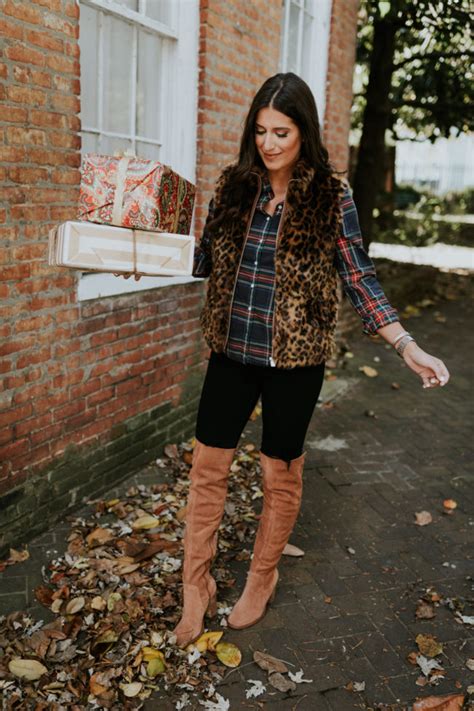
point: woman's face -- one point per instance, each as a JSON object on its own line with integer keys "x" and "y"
{"x": 278, "y": 139}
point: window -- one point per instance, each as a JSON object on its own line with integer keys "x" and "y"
{"x": 305, "y": 44}
{"x": 139, "y": 78}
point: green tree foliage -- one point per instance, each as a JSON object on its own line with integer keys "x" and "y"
{"x": 418, "y": 59}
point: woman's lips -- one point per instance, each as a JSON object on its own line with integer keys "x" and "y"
{"x": 271, "y": 156}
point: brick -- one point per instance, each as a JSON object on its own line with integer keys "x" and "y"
{"x": 40, "y": 78}
{"x": 45, "y": 40}
{"x": 14, "y": 154}
{"x": 15, "y": 414}
{"x": 26, "y": 95}
{"x": 10, "y": 29}
{"x": 68, "y": 104}
{"x": 25, "y": 12}
{"x": 21, "y": 53}
{"x": 48, "y": 119}
{"x": 72, "y": 408}
{"x": 38, "y": 356}
{"x": 27, "y": 136}
{"x": 25, "y": 175}
{"x": 33, "y": 424}
{"x": 63, "y": 64}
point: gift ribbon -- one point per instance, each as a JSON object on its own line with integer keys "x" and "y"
{"x": 120, "y": 189}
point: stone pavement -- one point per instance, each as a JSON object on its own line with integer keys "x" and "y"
{"x": 345, "y": 612}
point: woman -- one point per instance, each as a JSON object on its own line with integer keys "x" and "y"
{"x": 281, "y": 228}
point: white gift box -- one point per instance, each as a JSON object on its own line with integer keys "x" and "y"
{"x": 105, "y": 248}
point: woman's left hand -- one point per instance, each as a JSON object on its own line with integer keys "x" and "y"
{"x": 431, "y": 370}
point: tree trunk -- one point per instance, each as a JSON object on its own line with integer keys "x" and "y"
{"x": 369, "y": 174}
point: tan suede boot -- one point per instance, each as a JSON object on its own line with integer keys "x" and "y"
{"x": 282, "y": 490}
{"x": 205, "y": 507}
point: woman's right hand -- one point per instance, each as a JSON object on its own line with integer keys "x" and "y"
{"x": 127, "y": 275}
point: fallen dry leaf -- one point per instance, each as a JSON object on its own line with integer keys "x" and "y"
{"x": 280, "y": 682}
{"x": 256, "y": 412}
{"x": 18, "y": 556}
{"x": 228, "y": 654}
{"x": 28, "y": 669}
{"x": 207, "y": 641}
{"x": 368, "y": 370}
{"x": 428, "y": 645}
{"x": 293, "y": 551}
{"x": 145, "y": 522}
{"x": 449, "y": 505}
{"x": 155, "y": 666}
{"x": 75, "y": 605}
{"x": 99, "y": 536}
{"x": 171, "y": 451}
{"x": 131, "y": 690}
{"x": 269, "y": 663}
{"x": 422, "y": 518}
{"x": 424, "y": 611}
{"x": 451, "y": 702}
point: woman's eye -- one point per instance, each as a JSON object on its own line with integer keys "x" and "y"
{"x": 279, "y": 135}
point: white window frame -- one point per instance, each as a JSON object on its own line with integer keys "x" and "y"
{"x": 179, "y": 137}
{"x": 320, "y": 12}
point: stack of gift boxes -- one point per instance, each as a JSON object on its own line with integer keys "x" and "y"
{"x": 134, "y": 216}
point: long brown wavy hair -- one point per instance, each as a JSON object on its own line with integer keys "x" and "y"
{"x": 291, "y": 95}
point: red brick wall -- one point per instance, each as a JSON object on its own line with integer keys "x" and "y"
{"x": 72, "y": 372}
{"x": 342, "y": 48}
{"x": 39, "y": 159}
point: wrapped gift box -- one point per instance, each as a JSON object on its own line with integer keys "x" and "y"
{"x": 103, "y": 248}
{"x": 136, "y": 193}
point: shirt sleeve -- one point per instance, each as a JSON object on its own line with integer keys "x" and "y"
{"x": 202, "y": 252}
{"x": 357, "y": 271}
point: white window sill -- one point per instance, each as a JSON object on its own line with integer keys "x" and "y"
{"x": 96, "y": 286}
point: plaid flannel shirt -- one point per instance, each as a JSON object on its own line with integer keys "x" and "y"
{"x": 250, "y": 334}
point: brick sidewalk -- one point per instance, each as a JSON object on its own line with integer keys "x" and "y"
{"x": 366, "y": 476}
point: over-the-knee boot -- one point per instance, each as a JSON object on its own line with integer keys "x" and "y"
{"x": 205, "y": 507}
{"x": 282, "y": 490}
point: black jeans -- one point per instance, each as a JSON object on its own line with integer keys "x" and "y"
{"x": 231, "y": 391}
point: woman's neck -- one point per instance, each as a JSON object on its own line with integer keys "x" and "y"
{"x": 279, "y": 180}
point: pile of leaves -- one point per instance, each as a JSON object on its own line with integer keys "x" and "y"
{"x": 115, "y": 597}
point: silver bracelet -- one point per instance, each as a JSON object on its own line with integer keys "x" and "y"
{"x": 400, "y": 335}
{"x": 403, "y": 344}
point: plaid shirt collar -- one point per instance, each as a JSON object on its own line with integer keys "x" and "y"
{"x": 266, "y": 193}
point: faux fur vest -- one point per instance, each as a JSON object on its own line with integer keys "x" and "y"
{"x": 306, "y": 302}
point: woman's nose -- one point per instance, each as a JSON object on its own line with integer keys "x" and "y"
{"x": 268, "y": 141}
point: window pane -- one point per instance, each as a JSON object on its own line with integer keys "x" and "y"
{"x": 160, "y": 10}
{"x": 131, "y": 4}
{"x": 307, "y": 70}
{"x": 89, "y": 45}
{"x": 89, "y": 143}
{"x": 109, "y": 145}
{"x": 149, "y": 85}
{"x": 118, "y": 43}
{"x": 292, "y": 65}
{"x": 148, "y": 150}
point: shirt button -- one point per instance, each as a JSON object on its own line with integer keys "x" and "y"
{"x": 252, "y": 285}
{"x": 250, "y": 308}
{"x": 268, "y": 217}
{"x": 255, "y": 262}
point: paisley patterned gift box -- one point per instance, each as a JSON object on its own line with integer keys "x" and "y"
{"x": 133, "y": 192}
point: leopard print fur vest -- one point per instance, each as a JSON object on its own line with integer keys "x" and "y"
{"x": 306, "y": 300}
